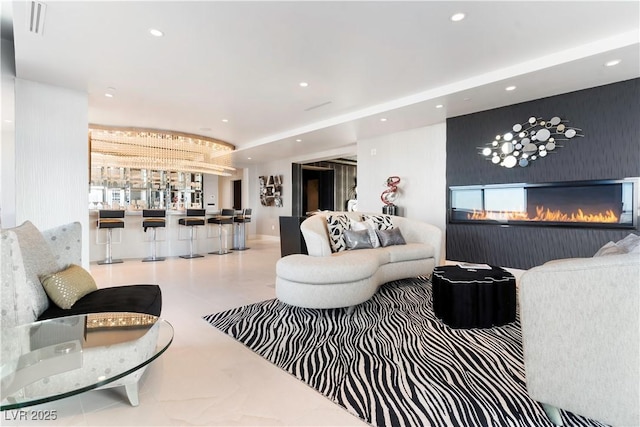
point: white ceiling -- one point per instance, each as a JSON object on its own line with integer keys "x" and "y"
{"x": 243, "y": 61}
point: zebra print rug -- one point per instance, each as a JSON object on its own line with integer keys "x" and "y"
{"x": 393, "y": 363}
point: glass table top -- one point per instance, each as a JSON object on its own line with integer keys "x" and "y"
{"x": 52, "y": 359}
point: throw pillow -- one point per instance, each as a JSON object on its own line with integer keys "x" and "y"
{"x": 68, "y": 286}
{"x": 390, "y": 237}
{"x": 381, "y": 222}
{"x": 609, "y": 249}
{"x": 371, "y": 229}
{"x": 630, "y": 244}
{"x": 336, "y": 225}
{"x": 38, "y": 260}
{"x": 357, "y": 239}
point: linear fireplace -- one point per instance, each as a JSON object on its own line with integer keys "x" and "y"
{"x": 592, "y": 204}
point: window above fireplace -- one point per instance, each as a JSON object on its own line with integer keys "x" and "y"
{"x": 593, "y": 204}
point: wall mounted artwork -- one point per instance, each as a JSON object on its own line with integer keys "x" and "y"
{"x": 529, "y": 141}
{"x": 271, "y": 190}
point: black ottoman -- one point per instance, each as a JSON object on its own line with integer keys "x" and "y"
{"x": 465, "y": 298}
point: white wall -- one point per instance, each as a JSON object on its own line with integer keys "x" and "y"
{"x": 7, "y": 146}
{"x": 210, "y": 191}
{"x": 51, "y": 157}
{"x": 418, "y": 157}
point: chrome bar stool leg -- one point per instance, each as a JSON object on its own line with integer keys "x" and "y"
{"x": 222, "y": 249}
{"x": 153, "y": 256}
{"x": 109, "y": 258}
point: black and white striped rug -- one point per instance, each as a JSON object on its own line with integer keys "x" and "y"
{"x": 393, "y": 363}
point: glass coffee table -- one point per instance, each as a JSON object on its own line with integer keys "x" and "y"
{"x": 57, "y": 358}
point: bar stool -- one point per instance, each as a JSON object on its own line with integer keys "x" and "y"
{"x": 110, "y": 219}
{"x": 194, "y": 218}
{"x": 225, "y": 218}
{"x": 153, "y": 219}
{"x": 240, "y": 238}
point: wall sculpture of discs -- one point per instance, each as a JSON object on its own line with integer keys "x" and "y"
{"x": 528, "y": 141}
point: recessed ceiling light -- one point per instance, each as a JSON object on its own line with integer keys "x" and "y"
{"x": 456, "y": 17}
{"x": 303, "y": 84}
{"x": 510, "y": 88}
{"x": 298, "y": 140}
{"x": 612, "y": 63}
{"x": 156, "y": 33}
{"x": 383, "y": 119}
{"x": 225, "y": 120}
{"x": 439, "y": 106}
{"x": 248, "y": 158}
{"x": 108, "y": 95}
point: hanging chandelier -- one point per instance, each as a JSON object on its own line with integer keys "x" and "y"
{"x": 161, "y": 150}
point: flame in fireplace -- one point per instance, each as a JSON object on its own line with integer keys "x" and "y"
{"x": 543, "y": 214}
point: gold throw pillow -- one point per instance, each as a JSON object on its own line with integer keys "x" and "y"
{"x": 68, "y": 286}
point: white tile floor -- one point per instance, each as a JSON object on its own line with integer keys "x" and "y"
{"x": 205, "y": 378}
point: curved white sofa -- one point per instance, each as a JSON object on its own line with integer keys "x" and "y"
{"x": 324, "y": 279}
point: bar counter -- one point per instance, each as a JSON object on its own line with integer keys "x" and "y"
{"x": 132, "y": 242}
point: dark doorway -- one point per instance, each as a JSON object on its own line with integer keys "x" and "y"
{"x": 237, "y": 194}
{"x": 318, "y": 190}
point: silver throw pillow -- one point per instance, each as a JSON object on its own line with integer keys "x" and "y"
{"x": 357, "y": 239}
{"x": 390, "y": 237}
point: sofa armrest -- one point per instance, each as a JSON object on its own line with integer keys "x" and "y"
{"x": 314, "y": 231}
{"x": 580, "y": 332}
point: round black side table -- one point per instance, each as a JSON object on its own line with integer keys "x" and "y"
{"x": 474, "y": 298}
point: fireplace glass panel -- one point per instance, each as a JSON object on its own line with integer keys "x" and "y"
{"x": 583, "y": 204}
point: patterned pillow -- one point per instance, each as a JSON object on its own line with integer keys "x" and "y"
{"x": 382, "y": 222}
{"x": 68, "y": 286}
{"x": 336, "y": 225}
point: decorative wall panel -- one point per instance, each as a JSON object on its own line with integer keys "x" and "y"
{"x": 610, "y": 149}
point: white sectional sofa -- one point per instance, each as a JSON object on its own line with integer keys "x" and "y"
{"x": 329, "y": 279}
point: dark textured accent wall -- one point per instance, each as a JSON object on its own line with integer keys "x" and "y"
{"x": 610, "y": 149}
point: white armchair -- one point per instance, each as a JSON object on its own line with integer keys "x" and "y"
{"x": 580, "y": 330}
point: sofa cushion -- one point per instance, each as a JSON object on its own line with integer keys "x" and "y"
{"x": 336, "y": 225}
{"x": 132, "y": 298}
{"x": 66, "y": 287}
{"x": 342, "y": 267}
{"x": 409, "y": 252}
{"x": 37, "y": 260}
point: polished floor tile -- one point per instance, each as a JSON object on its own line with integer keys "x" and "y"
{"x": 205, "y": 378}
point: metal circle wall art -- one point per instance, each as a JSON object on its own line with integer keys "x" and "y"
{"x": 528, "y": 141}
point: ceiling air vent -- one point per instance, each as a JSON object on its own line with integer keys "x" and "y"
{"x": 36, "y": 17}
